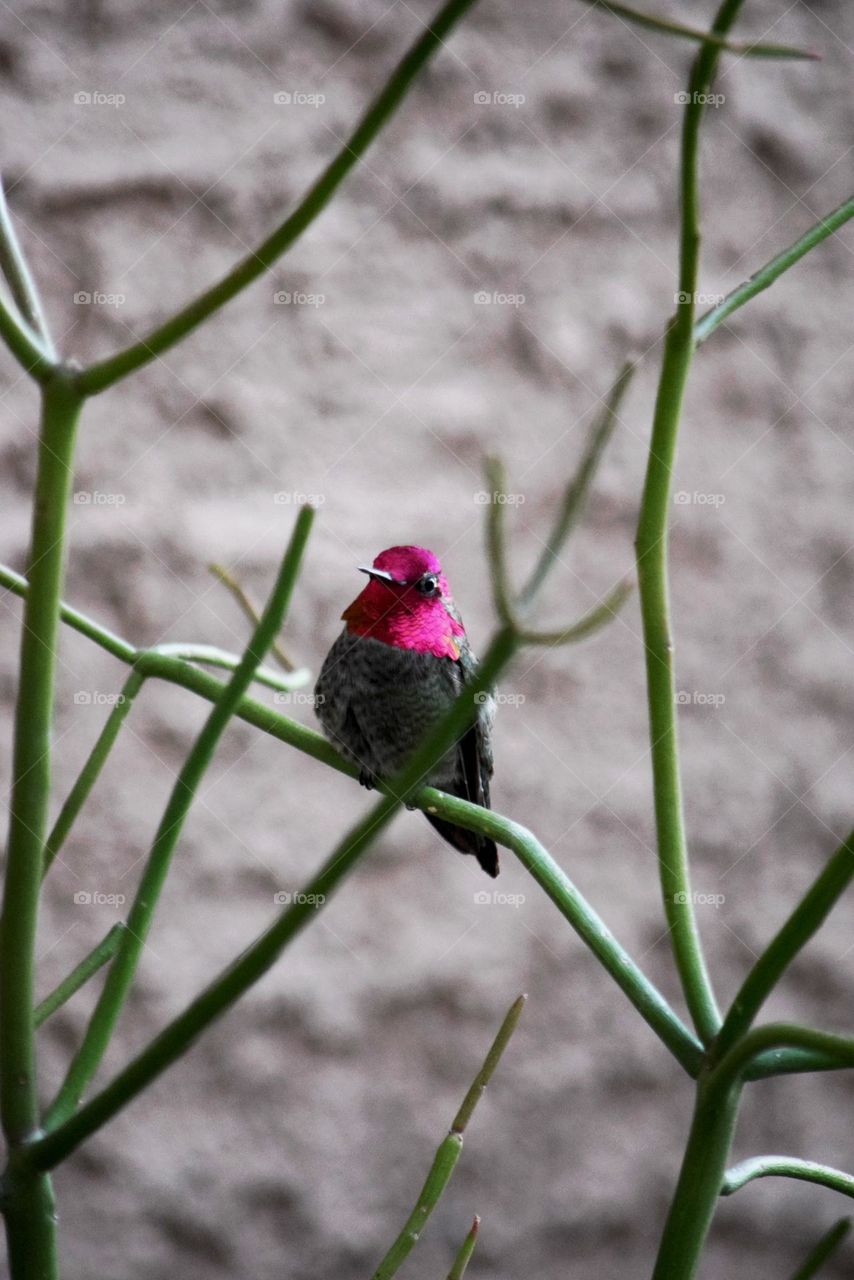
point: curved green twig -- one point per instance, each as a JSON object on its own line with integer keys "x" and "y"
{"x": 86, "y": 969}
{"x": 736, "y": 1063}
{"x": 88, "y": 775}
{"x": 786, "y": 1167}
{"x": 772, "y": 270}
{"x": 13, "y": 264}
{"x": 651, "y": 545}
{"x": 571, "y": 506}
{"x": 104, "y": 373}
{"x": 745, "y": 49}
{"x": 447, "y": 1156}
{"x": 802, "y": 924}
{"x": 239, "y": 594}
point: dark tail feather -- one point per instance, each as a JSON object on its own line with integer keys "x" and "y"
{"x": 468, "y": 842}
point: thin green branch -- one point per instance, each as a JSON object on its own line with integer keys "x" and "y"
{"x": 208, "y": 655}
{"x": 592, "y": 931}
{"x": 104, "y": 373}
{"x": 249, "y": 611}
{"x": 120, "y": 977}
{"x": 496, "y": 543}
{"x": 447, "y": 1155}
{"x": 80, "y": 975}
{"x": 748, "y": 49}
{"x": 736, "y": 1064}
{"x": 651, "y": 543}
{"x": 31, "y": 774}
{"x": 590, "y": 928}
{"x": 782, "y": 1062}
{"x": 596, "y": 618}
{"x": 772, "y": 271}
{"x": 806, "y": 919}
{"x": 490, "y": 1062}
{"x": 262, "y": 954}
{"x": 13, "y": 264}
{"x": 463, "y": 1258}
{"x": 786, "y": 1167}
{"x": 28, "y": 1205}
{"x": 826, "y": 1247}
{"x": 88, "y": 776}
{"x": 700, "y": 1177}
{"x": 79, "y": 622}
{"x": 572, "y": 504}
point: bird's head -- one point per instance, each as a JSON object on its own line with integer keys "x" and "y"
{"x": 407, "y": 603}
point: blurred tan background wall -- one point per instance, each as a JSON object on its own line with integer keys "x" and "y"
{"x": 145, "y": 150}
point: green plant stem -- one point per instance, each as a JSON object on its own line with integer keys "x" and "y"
{"x": 700, "y": 1179}
{"x": 444, "y": 1163}
{"x": 478, "y": 1086}
{"x": 652, "y": 561}
{"x": 592, "y": 931}
{"x": 826, "y": 1247}
{"x": 247, "y": 608}
{"x": 13, "y": 264}
{"x": 121, "y": 974}
{"x": 572, "y": 504}
{"x": 89, "y": 774}
{"x": 786, "y": 1167}
{"x": 30, "y": 1214}
{"x": 258, "y": 958}
{"x": 772, "y": 270}
{"x": 781, "y": 1062}
{"x": 704, "y": 1164}
{"x": 802, "y": 924}
{"x": 103, "y": 374}
{"x": 448, "y": 1154}
{"x": 651, "y": 22}
{"x": 25, "y": 346}
{"x": 80, "y": 975}
{"x": 30, "y": 1226}
{"x": 463, "y": 1258}
{"x": 511, "y": 835}
{"x": 737, "y": 1063}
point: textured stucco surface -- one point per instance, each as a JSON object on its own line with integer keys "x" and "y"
{"x": 293, "y": 1138}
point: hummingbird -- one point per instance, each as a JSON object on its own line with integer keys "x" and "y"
{"x": 401, "y": 661}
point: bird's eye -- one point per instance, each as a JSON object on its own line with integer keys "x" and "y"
{"x": 428, "y": 585}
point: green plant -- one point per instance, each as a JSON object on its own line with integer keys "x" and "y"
{"x": 721, "y": 1054}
